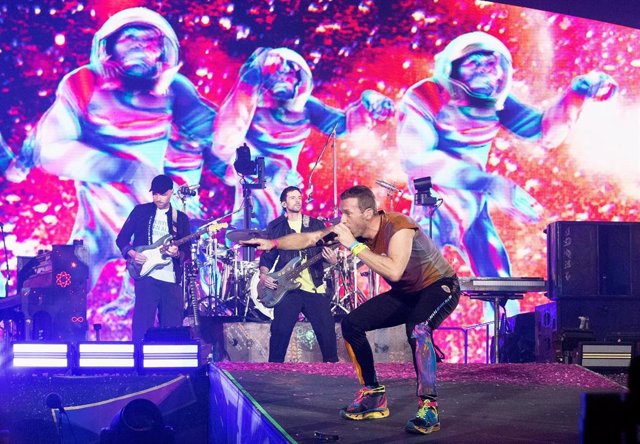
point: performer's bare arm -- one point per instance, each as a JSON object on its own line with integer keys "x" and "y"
{"x": 390, "y": 266}
{"x": 294, "y": 241}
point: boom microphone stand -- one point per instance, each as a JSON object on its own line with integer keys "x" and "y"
{"x": 335, "y": 173}
{"x": 331, "y": 138}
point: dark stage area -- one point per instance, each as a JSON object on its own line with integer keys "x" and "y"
{"x": 241, "y": 402}
{"x": 478, "y": 402}
{"x": 92, "y": 401}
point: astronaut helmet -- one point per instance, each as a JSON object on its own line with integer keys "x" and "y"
{"x": 136, "y": 45}
{"x": 477, "y": 69}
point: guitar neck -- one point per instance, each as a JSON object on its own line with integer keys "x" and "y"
{"x": 182, "y": 240}
{"x": 198, "y": 233}
{"x": 300, "y": 268}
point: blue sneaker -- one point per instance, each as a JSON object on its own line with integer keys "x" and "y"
{"x": 426, "y": 420}
{"x": 370, "y": 403}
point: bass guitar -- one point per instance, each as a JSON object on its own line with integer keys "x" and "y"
{"x": 156, "y": 252}
{"x": 285, "y": 279}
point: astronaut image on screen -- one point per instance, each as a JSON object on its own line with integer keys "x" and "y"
{"x": 271, "y": 108}
{"x": 118, "y": 122}
{"x": 446, "y": 127}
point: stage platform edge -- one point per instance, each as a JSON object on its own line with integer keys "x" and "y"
{"x": 235, "y": 416}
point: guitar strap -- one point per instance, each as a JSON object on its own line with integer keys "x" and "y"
{"x": 174, "y": 219}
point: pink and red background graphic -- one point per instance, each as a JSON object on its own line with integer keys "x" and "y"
{"x": 350, "y": 47}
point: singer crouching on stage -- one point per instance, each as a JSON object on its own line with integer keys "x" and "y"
{"x": 424, "y": 291}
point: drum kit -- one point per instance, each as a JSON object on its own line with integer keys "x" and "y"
{"x": 221, "y": 283}
{"x": 223, "y": 280}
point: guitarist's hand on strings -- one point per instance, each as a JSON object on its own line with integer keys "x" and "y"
{"x": 136, "y": 257}
{"x": 172, "y": 250}
{"x": 268, "y": 281}
{"x": 329, "y": 255}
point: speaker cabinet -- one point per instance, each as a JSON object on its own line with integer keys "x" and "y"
{"x": 558, "y": 323}
{"x": 57, "y": 314}
{"x": 593, "y": 260}
{"x": 55, "y": 302}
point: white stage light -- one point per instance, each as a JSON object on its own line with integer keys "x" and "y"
{"x": 170, "y": 356}
{"x": 106, "y": 355}
{"x": 40, "y": 355}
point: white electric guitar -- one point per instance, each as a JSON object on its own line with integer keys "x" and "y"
{"x": 156, "y": 253}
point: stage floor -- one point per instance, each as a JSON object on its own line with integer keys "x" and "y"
{"x": 478, "y": 402}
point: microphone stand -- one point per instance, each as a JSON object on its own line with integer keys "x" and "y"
{"x": 6, "y": 261}
{"x": 59, "y": 421}
{"x": 332, "y": 137}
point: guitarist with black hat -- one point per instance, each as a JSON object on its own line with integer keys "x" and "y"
{"x": 310, "y": 297}
{"x": 159, "y": 288}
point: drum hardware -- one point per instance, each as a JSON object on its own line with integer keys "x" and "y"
{"x": 221, "y": 274}
{"x": 373, "y": 280}
{"x": 347, "y": 295}
{"x": 252, "y": 297}
{"x": 245, "y": 235}
{"x": 390, "y": 190}
{"x": 213, "y": 273}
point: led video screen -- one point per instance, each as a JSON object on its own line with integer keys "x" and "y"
{"x": 517, "y": 117}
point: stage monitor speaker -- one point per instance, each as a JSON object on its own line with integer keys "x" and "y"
{"x": 593, "y": 260}
{"x": 606, "y": 355}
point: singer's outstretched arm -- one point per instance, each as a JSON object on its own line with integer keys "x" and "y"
{"x": 294, "y": 241}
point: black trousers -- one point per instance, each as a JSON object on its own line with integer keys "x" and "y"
{"x": 317, "y": 310}
{"x": 431, "y": 305}
{"x": 153, "y": 295}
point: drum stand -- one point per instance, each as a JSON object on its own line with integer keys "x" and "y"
{"x": 346, "y": 277}
{"x": 215, "y": 303}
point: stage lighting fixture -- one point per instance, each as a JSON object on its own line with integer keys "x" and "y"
{"x": 243, "y": 163}
{"x": 106, "y": 355}
{"x": 138, "y": 421}
{"x": 40, "y": 355}
{"x": 170, "y": 356}
{"x": 423, "y": 195}
{"x": 247, "y": 167}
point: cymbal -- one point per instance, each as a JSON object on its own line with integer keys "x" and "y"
{"x": 245, "y": 235}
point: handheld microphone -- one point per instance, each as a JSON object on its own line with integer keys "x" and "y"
{"x": 327, "y": 239}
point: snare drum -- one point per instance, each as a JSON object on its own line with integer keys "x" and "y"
{"x": 253, "y": 293}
